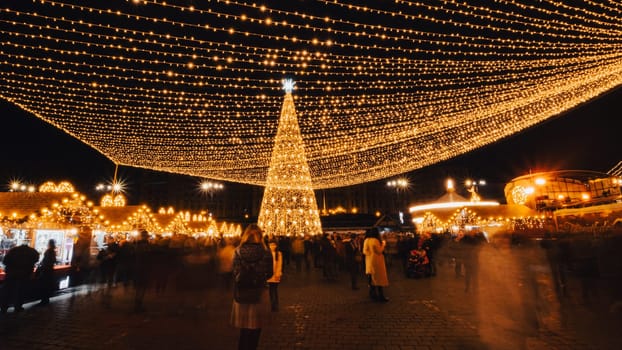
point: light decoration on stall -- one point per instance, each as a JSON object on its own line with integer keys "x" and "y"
{"x": 238, "y": 230}
{"x": 141, "y": 219}
{"x": 289, "y": 207}
{"x": 62, "y": 187}
{"x": 212, "y": 230}
{"x": 73, "y": 210}
{"x": 178, "y": 225}
{"x": 382, "y": 88}
{"x": 224, "y": 227}
{"x": 169, "y": 210}
{"x": 113, "y": 200}
{"x": 429, "y": 223}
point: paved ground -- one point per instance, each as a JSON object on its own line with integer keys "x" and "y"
{"x": 513, "y": 307}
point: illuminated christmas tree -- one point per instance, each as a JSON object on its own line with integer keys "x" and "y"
{"x": 289, "y": 206}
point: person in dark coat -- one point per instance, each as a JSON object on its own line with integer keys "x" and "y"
{"x": 143, "y": 267}
{"x": 472, "y": 244}
{"x": 329, "y": 257}
{"x": 19, "y": 264}
{"x": 249, "y": 303}
{"x": 45, "y": 273}
{"x": 354, "y": 259}
{"x": 81, "y": 258}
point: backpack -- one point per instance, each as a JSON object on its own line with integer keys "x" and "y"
{"x": 248, "y": 281}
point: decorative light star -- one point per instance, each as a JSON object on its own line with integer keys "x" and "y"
{"x": 288, "y": 85}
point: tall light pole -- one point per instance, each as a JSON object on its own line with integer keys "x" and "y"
{"x": 210, "y": 187}
{"x": 472, "y": 186}
{"x": 400, "y": 185}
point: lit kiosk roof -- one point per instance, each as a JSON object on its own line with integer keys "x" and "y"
{"x": 452, "y": 200}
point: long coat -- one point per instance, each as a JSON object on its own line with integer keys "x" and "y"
{"x": 374, "y": 262}
{"x": 251, "y": 315}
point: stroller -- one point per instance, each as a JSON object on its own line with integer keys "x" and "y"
{"x": 418, "y": 264}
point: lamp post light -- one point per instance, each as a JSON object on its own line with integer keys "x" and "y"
{"x": 472, "y": 186}
{"x": 16, "y": 186}
{"x": 210, "y": 187}
{"x": 400, "y": 185}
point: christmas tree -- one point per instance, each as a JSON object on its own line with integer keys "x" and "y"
{"x": 289, "y": 206}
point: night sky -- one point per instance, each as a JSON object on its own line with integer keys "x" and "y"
{"x": 585, "y": 138}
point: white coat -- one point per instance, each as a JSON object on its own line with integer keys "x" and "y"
{"x": 374, "y": 262}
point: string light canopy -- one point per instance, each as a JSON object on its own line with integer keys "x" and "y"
{"x": 382, "y": 88}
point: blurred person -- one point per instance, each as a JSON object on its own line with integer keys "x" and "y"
{"x": 142, "y": 269}
{"x": 403, "y": 249}
{"x": 252, "y": 265}
{"x": 432, "y": 245}
{"x": 125, "y": 263}
{"x": 585, "y": 263}
{"x": 340, "y": 253}
{"x": 375, "y": 269}
{"x": 81, "y": 258}
{"x": 328, "y": 253}
{"x": 556, "y": 253}
{"x": 472, "y": 242}
{"x": 457, "y": 251}
{"x": 316, "y": 251}
{"x": 19, "y": 264}
{"x": 277, "y": 272}
{"x": 391, "y": 250}
{"x": 285, "y": 247}
{"x": 161, "y": 264}
{"x": 107, "y": 258}
{"x": 308, "y": 244}
{"x": 298, "y": 252}
{"x": 225, "y": 262}
{"x": 45, "y": 273}
{"x": 354, "y": 258}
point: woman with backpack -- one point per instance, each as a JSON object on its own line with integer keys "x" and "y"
{"x": 252, "y": 266}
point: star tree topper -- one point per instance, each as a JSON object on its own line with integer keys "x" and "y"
{"x": 288, "y": 85}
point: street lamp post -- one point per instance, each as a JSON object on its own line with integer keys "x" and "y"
{"x": 399, "y": 185}
{"x": 210, "y": 187}
{"x": 472, "y": 186}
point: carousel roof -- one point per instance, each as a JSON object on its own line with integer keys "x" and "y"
{"x": 450, "y": 197}
{"x": 487, "y": 212}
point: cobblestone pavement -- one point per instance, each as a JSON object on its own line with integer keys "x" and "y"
{"x": 511, "y": 307}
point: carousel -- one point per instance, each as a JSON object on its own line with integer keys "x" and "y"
{"x": 455, "y": 214}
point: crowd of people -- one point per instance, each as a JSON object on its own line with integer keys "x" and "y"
{"x": 253, "y": 265}
{"x": 162, "y": 264}
{"x": 184, "y": 261}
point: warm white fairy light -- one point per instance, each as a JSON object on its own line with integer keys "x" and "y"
{"x": 382, "y": 90}
{"x": 62, "y": 187}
